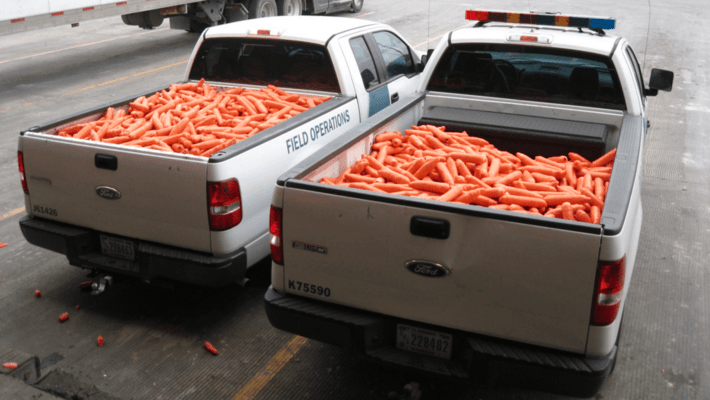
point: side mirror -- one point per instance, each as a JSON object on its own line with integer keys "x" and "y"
{"x": 660, "y": 80}
{"x": 425, "y": 58}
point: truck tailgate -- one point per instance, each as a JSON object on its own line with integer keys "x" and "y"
{"x": 512, "y": 276}
{"x": 163, "y": 196}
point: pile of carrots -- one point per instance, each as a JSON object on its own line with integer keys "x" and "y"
{"x": 194, "y": 118}
{"x": 430, "y": 163}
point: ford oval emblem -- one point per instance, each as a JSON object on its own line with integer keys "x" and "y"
{"x": 108, "y": 193}
{"x": 427, "y": 268}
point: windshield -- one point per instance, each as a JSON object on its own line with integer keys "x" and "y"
{"x": 263, "y": 62}
{"x": 529, "y": 73}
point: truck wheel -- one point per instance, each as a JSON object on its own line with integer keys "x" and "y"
{"x": 289, "y": 7}
{"x": 356, "y": 6}
{"x": 262, "y": 8}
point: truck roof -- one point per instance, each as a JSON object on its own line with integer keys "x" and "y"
{"x": 561, "y": 37}
{"x": 313, "y": 29}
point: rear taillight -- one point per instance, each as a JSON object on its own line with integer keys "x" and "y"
{"x": 21, "y": 166}
{"x": 275, "y": 221}
{"x": 607, "y": 293}
{"x": 224, "y": 204}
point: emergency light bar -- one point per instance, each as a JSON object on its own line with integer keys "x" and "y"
{"x": 573, "y": 21}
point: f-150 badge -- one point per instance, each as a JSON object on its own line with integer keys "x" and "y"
{"x": 310, "y": 247}
{"x": 427, "y": 268}
{"x": 108, "y": 193}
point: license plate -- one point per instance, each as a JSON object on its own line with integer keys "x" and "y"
{"x": 424, "y": 341}
{"x": 119, "y": 248}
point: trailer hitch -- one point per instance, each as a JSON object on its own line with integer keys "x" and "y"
{"x": 100, "y": 286}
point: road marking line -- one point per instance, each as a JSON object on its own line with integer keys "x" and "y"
{"x": 278, "y": 361}
{"x": 125, "y": 77}
{"x": 94, "y": 86}
{"x": 22, "y": 105}
{"x": 359, "y": 16}
{"x": 11, "y": 213}
{"x": 81, "y": 45}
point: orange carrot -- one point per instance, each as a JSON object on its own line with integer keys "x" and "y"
{"x": 392, "y": 187}
{"x": 510, "y": 178}
{"x": 495, "y": 192}
{"x": 451, "y": 166}
{"x": 521, "y": 192}
{"x": 578, "y": 158}
{"x": 208, "y": 144}
{"x": 392, "y": 176}
{"x": 567, "y": 212}
{"x": 558, "y": 174}
{"x": 595, "y": 215}
{"x": 469, "y": 158}
{"x": 605, "y": 159}
{"x": 582, "y": 216}
{"x": 543, "y": 178}
{"x": 427, "y": 167}
{"x": 484, "y": 201}
{"x": 559, "y": 199}
{"x": 137, "y": 133}
{"x": 523, "y": 201}
{"x": 444, "y": 173}
{"x": 570, "y": 175}
{"x": 540, "y": 187}
{"x": 476, "y": 181}
{"x": 359, "y": 178}
{"x": 453, "y": 193}
{"x": 599, "y": 188}
{"x": 436, "y": 187}
{"x": 494, "y": 167}
{"x": 593, "y": 199}
{"x": 365, "y": 186}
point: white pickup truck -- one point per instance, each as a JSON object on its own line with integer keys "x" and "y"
{"x": 464, "y": 291}
{"x": 155, "y": 218}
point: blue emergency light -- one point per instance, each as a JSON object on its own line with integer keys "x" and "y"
{"x": 541, "y": 19}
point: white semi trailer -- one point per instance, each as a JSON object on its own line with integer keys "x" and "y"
{"x": 193, "y": 16}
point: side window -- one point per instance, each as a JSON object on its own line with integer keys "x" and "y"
{"x": 637, "y": 69}
{"x": 398, "y": 59}
{"x": 364, "y": 62}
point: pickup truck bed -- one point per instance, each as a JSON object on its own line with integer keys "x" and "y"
{"x": 491, "y": 304}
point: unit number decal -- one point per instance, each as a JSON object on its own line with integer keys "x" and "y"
{"x": 308, "y": 288}
{"x": 45, "y": 210}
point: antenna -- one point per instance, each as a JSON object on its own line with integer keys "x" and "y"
{"x": 427, "y": 24}
{"x": 648, "y": 32}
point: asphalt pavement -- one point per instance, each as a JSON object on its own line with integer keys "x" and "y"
{"x": 154, "y": 335}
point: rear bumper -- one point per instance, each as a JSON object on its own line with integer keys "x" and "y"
{"x": 83, "y": 249}
{"x": 475, "y": 358}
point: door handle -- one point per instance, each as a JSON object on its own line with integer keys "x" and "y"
{"x": 428, "y": 227}
{"x": 394, "y": 98}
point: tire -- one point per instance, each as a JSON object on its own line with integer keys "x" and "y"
{"x": 263, "y": 8}
{"x": 290, "y": 7}
{"x": 356, "y": 6}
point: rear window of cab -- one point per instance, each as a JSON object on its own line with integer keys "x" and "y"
{"x": 529, "y": 73}
{"x": 286, "y": 64}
